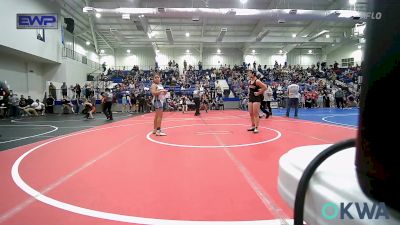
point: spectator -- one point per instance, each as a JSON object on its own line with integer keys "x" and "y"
{"x": 184, "y": 104}
{"x": 64, "y": 89}
{"x": 339, "y": 98}
{"x": 29, "y": 101}
{"x": 14, "y": 112}
{"x": 4, "y": 93}
{"x": 66, "y": 106}
{"x": 50, "y": 104}
{"x": 104, "y": 66}
{"x": 221, "y": 104}
{"x": 78, "y": 90}
{"x": 184, "y": 65}
{"x": 351, "y": 101}
{"x": 293, "y": 99}
{"x": 35, "y": 108}
{"x": 196, "y": 99}
{"x": 52, "y": 90}
{"x": 107, "y": 104}
{"x": 267, "y": 101}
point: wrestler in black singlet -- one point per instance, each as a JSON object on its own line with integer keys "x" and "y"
{"x": 253, "y": 87}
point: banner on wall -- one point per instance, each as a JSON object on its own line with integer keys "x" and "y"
{"x": 37, "y": 21}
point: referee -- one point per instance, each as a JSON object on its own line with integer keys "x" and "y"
{"x": 196, "y": 99}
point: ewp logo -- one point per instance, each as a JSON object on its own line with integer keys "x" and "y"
{"x": 37, "y": 21}
{"x": 377, "y": 211}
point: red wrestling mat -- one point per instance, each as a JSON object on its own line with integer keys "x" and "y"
{"x": 208, "y": 170}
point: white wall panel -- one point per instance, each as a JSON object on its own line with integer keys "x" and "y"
{"x": 265, "y": 57}
{"x": 228, "y": 56}
{"x": 109, "y": 60}
{"x": 76, "y": 72}
{"x": 144, "y": 57}
{"x": 303, "y": 58}
{"x": 179, "y": 55}
{"x": 22, "y": 77}
{"x": 36, "y": 83}
{"x": 14, "y": 71}
{"x": 344, "y": 52}
{"x": 55, "y": 72}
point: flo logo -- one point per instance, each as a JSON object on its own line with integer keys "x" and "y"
{"x": 373, "y": 15}
{"x": 375, "y": 211}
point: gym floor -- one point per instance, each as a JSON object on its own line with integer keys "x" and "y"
{"x": 208, "y": 170}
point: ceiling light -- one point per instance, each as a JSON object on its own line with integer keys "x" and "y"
{"x": 134, "y": 11}
{"x": 88, "y": 43}
{"x": 281, "y": 21}
{"x": 150, "y": 35}
{"x": 352, "y": 2}
{"x": 219, "y": 50}
{"x": 231, "y": 12}
{"x": 318, "y": 35}
{"x": 187, "y": 34}
{"x": 187, "y": 51}
{"x": 359, "y": 47}
{"x": 243, "y": 1}
{"x": 102, "y": 51}
{"x": 245, "y": 12}
{"x": 309, "y": 51}
{"x": 128, "y": 51}
{"x": 294, "y": 35}
{"x": 157, "y": 50}
{"x": 222, "y": 34}
{"x": 88, "y": 9}
{"x": 98, "y": 15}
{"x": 253, "y": 51}
{"x": 349, "y": 14}
{"x": 261, "y": 35}
{"x": 126, "y": 16}
{"x": 327, "y": 36}
{"x": 280, "y": 51}
{"x": 170, "y": 38}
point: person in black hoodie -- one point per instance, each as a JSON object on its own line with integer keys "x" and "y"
{"x": 50, "y": 104}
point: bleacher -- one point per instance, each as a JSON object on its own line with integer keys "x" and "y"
{"x": 234, "y": 90}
